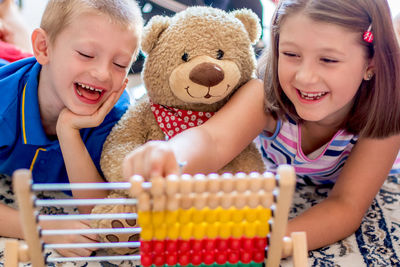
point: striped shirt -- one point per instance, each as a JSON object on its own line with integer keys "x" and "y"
{"x": 323, "y": 166}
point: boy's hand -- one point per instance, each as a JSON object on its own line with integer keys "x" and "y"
{"x": 153, "y": 159}
{"x": 78, "y": 252}
{"x": 69, "y": 120}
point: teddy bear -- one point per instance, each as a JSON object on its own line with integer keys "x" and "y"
{"x": 195, "y": 61}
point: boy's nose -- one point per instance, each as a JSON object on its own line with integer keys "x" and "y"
{"x": 101, "y": 71}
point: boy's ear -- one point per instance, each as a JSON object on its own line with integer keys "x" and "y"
{"x": 40, "y": 45}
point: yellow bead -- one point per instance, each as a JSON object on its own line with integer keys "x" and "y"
{"x": 223, "y": 215}
{"x": 171, "y": 217}
{"x": 264, "y": 214}
{"x": 225, "y": 230}
{"x": 173, "y": 231}
{"x": 160, "y": 232}
{"x": 212, "y": 230}
{"x": 250, "y": 214}
{"x": 199, "y": 231}
{"x": 262, "y": 229}
{"x": 237, "y": 230}
{"x": 158, "y": 218}
{"x": 146, "y": 233}
{"x": 144, "y": 218}
{"x": 198, "y": 216}
{"x": 186, "y": 231}
{"x": 211, "y": 215}
{"x": 250, "y": 229}
{"x": 237, "y": 215}
{"x": 185, "y": 216}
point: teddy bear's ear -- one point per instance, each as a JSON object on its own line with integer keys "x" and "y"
{"x": 251, "y": 23}
{"x": 152, "y": 32}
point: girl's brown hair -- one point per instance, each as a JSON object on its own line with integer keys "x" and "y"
{"x": 376, "y": 109}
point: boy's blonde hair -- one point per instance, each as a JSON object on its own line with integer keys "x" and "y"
{"x": 59, "y": 13}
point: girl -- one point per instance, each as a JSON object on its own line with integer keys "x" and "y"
{"x": 331, "y": 109}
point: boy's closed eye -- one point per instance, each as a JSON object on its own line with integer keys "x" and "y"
{"x": 84, "y": 55}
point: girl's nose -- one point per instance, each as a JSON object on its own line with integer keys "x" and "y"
{"x": 307, "y": 74}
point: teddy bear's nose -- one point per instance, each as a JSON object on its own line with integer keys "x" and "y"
{"x": 207, "y": 74}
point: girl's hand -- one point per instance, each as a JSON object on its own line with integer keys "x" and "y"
{"x": 153, "y": 159}
{"x": 69, "y": 120}
{"x": 78, "y": 252}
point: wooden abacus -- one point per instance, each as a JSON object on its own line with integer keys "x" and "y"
{"x": 184, "y": 220}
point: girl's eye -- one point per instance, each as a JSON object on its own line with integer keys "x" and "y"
{"x": 289, "y": 54}
{"x": 84, "y": 55}
{"x": 329, "y": 60}
{"x": 120, "y": 66}
{"x": 220, "y": 54}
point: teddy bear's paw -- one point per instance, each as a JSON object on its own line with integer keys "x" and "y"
{"x": 113, "y": 238}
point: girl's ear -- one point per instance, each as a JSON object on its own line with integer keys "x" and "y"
{"x": 40, "y": 45}
{"x": 370, "y": 71}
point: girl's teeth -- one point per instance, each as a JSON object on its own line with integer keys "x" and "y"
{"x": 312, "y": 96}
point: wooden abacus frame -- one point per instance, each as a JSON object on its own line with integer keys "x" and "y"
{"x": 277, "y": 195}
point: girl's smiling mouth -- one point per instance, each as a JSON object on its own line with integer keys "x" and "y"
{"x": 311, "y": 96}
{"x": 87, "y": 93}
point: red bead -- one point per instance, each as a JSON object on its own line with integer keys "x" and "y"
{"x": 171, "y": 258}
{"x": 184, "y": 246}
{"x": 247, "y": 244}
{"x": 245, "y": 256}
{"x": 209, "y": 244}
{"x": 184, "y": 259}
{"x": 197, "y": 245}
{"x": 146, "y": 260}
{"x": 235, "y": 244}
{"x": 171, "y": 245}
{"x": 258, "y": 256}
{"x": 221, "y": 257}
{"x": 158, "y": 246}
{"x": 208, "y": 257}
{"x": 159, "y": 259}
{"x": 146, "y": 246}
{"x": 260, "y": 243}
{"x": 222, "y": 244}
{"x": 197, "y": 257}
{"x": 233, "y": 256}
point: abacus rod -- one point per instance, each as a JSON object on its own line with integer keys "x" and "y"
{"x": 85, "y": 186}
{"x": 94, "y": 245}
{"x": 84, "y": 202}
{"x": 80, "y": 186}
{"x": 99, "y": 216}
{"x": 135, "y": 230}
{"x": 96, "y": 258}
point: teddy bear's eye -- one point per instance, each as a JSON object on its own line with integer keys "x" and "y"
{"x": 220, "y": 54}
{"x": 185, "y": 57}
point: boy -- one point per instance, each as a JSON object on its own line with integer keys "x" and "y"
{"x": 56, "y": 109}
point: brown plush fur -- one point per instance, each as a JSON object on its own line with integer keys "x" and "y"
{"x": 201, "y": 33}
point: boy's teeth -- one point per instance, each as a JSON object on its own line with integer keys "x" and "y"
{"x": 87, "y": 87}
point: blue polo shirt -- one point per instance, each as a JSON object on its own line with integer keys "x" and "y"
{"x": 23, "y": 142}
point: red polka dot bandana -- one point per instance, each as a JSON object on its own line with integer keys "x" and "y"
{"x": 173, "y": 121}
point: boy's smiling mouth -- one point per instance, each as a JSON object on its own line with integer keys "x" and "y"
{"x": 88, "y": 93}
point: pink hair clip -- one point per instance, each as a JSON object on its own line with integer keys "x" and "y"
{"x": 368, "y": 36}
